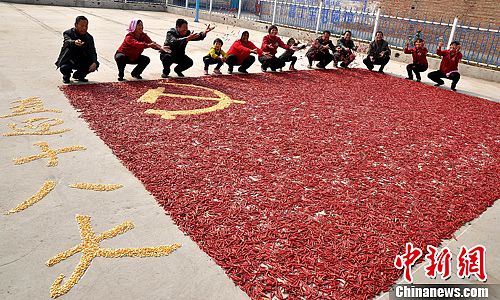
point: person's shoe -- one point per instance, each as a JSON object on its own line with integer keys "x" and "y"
{"x": 263, "y": 69}
{"x": 418, "y": 80}
{"x": 230, "y": 70}
{"x": 66, "y": 79}
{"x": 438, "y": 84}
{"x": 205, "y": 72}
{"x": 179, "y": 74}
{"x": 242, "y": 71}
{"x": 121, "y": 79}
{"x": 82, "y": 79}
{"x": 309, "y": 66}
{"x": 336, "y": 64}
{"x": 320, "y": 66}
{"x": 217, "y": 72}
{"x": 292, "y": 68}
{"x": 273, "y": 69}
{"x": 409, "y": 78}
{"x": 381, "y": 71}
{"x": 136, "y": 76}
{"x": 163, "y": 75}
{"x": 454, "y": 89}
{"x": 343, "y": 65}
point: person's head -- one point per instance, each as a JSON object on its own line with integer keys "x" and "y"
{"x": 244, "y": 36}
{"x": 419, "y": 43}
{"x": 455, "y": 46}
{"x": 347, "y": 35}
{"x": 81, "y": 25}
{"x": 290, "y": 42}
{"x": 326, "y": 35}
{"x": 379, "y": 35}
{"x": 136, "y": 26}
{"x": 181, "y": 26}
{"x": 273, "y": 30}
{"x": 218, "y": 43}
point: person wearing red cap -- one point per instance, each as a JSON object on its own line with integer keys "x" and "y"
{"x": 449, "y": 65}
{"x": 419, "y": 54}
{"x": 130, "y": 51}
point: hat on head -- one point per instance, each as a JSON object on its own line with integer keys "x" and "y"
{"x": 133, "y": 25}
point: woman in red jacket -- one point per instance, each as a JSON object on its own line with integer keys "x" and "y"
{"x": 419, "y": 54}
{"x": 240, "y": 53}
{"x": 270, "y": 44}
{"x": 130, "y": 51}
{"x": 449, "y": 65}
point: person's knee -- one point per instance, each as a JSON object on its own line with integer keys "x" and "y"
{"x": 188, "y": 62}
{"x": 146, "y": 60}
{"x": 251, "y": 59}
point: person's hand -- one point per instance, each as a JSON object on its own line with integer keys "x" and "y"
{"x": 165, "y": 49}
{"x": 93, "y": 67}
{"x": 154, "y": 45}
{"x": 440, "y": 45}
{"x": 79, "y": 43}
{"x": 382, "y": 54}
{"x": 270, "y": 46}
{"x": 208, "y": 29}
{"x": 192, "y": 36}
{"x": 267, "y": 54}
{"x": 372, "y": 58}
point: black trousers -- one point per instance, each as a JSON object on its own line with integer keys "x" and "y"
{"x": 324, "y": 58}
{"x": 271, "y": 62}
{"x": 232, "y": 60}
{"x": 415, "y": 68}
{"x": 81, "y": 66}
{"x": 122, "y": 60}
{"x": 208, "y": 60}
{"x": 382, "y": 61}
{"x": 437, "y": 75}
{"x": 286, "y": 58}
{"x": 183, "y": 62}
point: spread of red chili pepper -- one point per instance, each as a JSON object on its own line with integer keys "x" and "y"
{"x": 312, "y": 185}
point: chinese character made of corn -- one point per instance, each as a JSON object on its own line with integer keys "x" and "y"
{"x": 90, "y": 249}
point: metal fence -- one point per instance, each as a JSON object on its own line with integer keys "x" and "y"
{"x": 479, "y": 45}
{"x": 247, "y": 9}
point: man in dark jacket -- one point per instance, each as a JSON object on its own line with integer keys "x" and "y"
{"x": 176, "y": 41}
{"x": 78, "y": 52}
{"x": 320, "y": 50}
{"x": 379, "y": 53}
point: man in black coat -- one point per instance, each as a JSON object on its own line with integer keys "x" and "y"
{"x": 176, "y": 41}
{"x": 78, "y": 52}
{"x": 379, "y": 53}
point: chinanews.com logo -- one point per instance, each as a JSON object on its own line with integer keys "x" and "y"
{"x": 470, "y": 262}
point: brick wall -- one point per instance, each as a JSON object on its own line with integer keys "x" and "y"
{"x": 481, "y": 11}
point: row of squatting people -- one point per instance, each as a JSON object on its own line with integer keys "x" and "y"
{"x": 79, "y": 53}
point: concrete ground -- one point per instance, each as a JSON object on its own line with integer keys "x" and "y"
{"x": 31, "y": 38}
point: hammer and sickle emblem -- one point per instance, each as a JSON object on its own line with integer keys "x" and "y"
{"x": 152, "y": 95}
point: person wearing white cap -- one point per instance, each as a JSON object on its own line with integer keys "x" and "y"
{"x": 130, "y": 51}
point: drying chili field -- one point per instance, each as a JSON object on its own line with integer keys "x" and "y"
{"x": 305, "y": 184}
